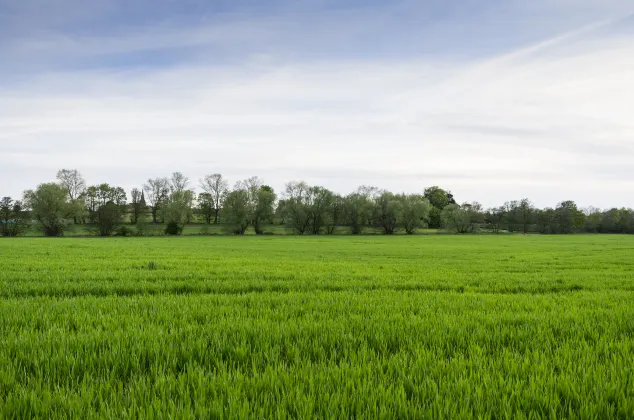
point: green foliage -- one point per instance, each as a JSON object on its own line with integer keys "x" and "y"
{"x": 262, "y": 208}
{"x": 109, "y": 218}
{"x": 439, "y": 199}
{"x": 236, "y": 211}
{"x": 177, "y": 210}
{"x": 13, "y": 218}
{"x": 307, "y": 327}
{"x": 415, "y": 213}
{"x": 50, "y": 207}
{"x": 173, "y": 228}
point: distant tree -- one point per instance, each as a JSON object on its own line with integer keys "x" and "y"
{"x": 494, "y": 217}
{"x": 281, "y": 212}
{"x": 593, "y": 220}
{"x": 91, "y": 201}
{"x": 236, "y": 211}
{"x": 157, "y": 192}
{"x": 320, "y": 203}
{"x": 568, "y": 217}
{"x": 335, "y": 215}
{"x": 439, "y": 199}
{"x": 178, "y": 182}
{"x": 546, "y": 221}
{"x": 263, "y": 208}
{"x": 75, "y": 186}
{"x": 512, "y": 213}
{"x": 456, "y": 218}
{"x": 415, "y": 212}
{"x": 109, "y": 218}
{"x": 297, "y": 206}
{"x": 217, "y": 188}
{"x": 206, "y": 207}
{"x": 526, "y": 213}
{"x": 358, "y": 209}
{"x": 389, "y": 212}
{"x": 50, "y": 207}
{"x": 13, "y": 217}
{"x": 177, "y": 210}
{"x": 626, "y": 223}
{"x": 137, "y": 205}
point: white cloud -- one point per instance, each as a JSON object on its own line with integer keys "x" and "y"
{"x": 551, "y": 122}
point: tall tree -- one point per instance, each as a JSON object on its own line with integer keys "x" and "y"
{"x": 358, "y": 208}
{"x": 439, "y": 199}
{"x": 50, "y": 207}
{"x": 236, "y": 211}
{"x": 137, "y": 205}
{"x": 75, "y": 186}
{"x": 568, "y": 217}
{"x": 217, "y": 188}
{"x": 177, "y": 211}
{"x": 206, "y": 207}
{"x": 13, "y": 217}
{"x": 526, "y": 213}
{"x": 320, "y": 201}
{"x": 263, "y": 208}
{"x": 297, "y": 206}
{"x": 457, "y": 218}
{"x": 495, "y": 217}
{"x": 415, "y": 213}
{"x": 157, "y": 191}
{"x": 178, "y": 182}
{"x": 389, "y": 212}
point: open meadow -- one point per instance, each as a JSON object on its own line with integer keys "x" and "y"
{"x": 318, "y": 327}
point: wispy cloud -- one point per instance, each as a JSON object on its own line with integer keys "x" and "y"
{"x": 548, "y": 119}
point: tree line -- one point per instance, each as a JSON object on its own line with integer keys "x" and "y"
{"x": 172, "y": 203}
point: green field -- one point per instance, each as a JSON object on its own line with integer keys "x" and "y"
{"x": 318, "y": 327}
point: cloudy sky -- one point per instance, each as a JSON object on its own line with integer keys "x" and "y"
{"x": 492, "y": 99}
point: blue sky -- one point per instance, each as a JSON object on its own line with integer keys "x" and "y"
{"x": 494, "y": 100}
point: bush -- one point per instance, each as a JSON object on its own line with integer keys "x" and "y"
{"x": 123, "y": 231}
{"x": 173, "y": 229}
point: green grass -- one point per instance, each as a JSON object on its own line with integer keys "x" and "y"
{"x": 328, "y": 327}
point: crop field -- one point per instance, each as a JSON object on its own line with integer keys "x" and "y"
{"x": 318, "y": 327}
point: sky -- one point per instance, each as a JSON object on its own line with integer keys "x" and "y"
{"x": 494, "y": 100}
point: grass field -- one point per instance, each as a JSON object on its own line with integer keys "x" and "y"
{"x": 326, "y": 327}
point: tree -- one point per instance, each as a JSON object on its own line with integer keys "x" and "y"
{"x": 526, "y": 212}
{"x": 13, "y": 217}
{"x": 217, "y": 188}
{"x": 439, "y": 199}
{"x": 91, "y": 201}
{"x": 335, "y": 214}
{"x": 494, "y": 218}
{"x": 109, "y": 216}
{"x": 512, "y": 214}
{"x": 389, "y": 212}
{"x": 50, "y": 207}
{"x": 236, "y": 211}
{"x": 178, "y": 182}
{"x": 157, "y": 192}
{"x": 457, "y": 218}
{"x": 546, "y": 221}
{"x": 358, "y": 208}
{"x": 568, "y": 217}
{"x": 415, "y": 212}
{"x": 593, "y": 219}
{"x": 137, "y": 205}
{"x": 177, "y": 210}
{"x": 262, "y": 209}
{"x": 74, "y": 184}
{"x": 207, "y": 207}
{"x": 297, "y": 206}
{"x": 320, "y": 201}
